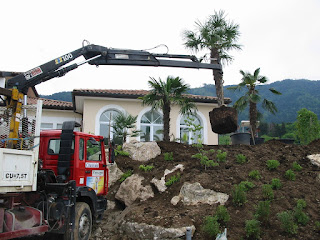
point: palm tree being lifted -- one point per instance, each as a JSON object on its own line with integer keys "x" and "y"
{"x": 163, "y": 95}
{"x": 218, "y": 36}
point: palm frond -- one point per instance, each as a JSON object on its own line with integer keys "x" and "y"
{"x": 241, "y": 103}
{"x": 269, "y": 106}
{"x": 275, "y": 91}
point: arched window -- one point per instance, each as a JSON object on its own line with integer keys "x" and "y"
{"x": 187, "y": 135}
{"x": 106, "y": 122}
{"x": 151, "y": 126}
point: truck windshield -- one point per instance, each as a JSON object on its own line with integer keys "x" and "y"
{"x": 54, "y": 146}
{"x": 93, "y": 151}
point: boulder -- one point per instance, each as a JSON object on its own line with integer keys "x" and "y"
{"x": 114, "y": 173}
{"x": 161, "y": 184}
{"x": 142, "y": 151}
{"x": 145, "y": 231}
{"x": 314, "y": 159}
{"x": 194, "y": 193}
{"x": 132, "y": 189}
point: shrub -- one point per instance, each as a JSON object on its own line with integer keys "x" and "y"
{"x": 287, "y": 222}
{"x": 119, "y": 151}
{"x": 125, "y": 175}
{"x": 221, "y": 156}
{"x": 247, "y": 185}
{"x": 299, "y": 215}
{"x": 204, "y": 159}
{"x": 317, "y": 226}
{"x": 238, "y": 195}
{"x": 211, "y": 226}
{"x": 254, "y": 174}
{"x": 263, "y": 211}
{"x": 290, "y": 175}
{"x": 222, "y": 214}
{"x": 275, "y": 183}
{"x": 240, "y": 158}
{"x": 267, "y": 192}
{"x": 296, "y": 166}
{"x": 173, "y": 179}
{"x": 301, "y": 203}
{"x": 253, "y": 229}
{"x": 168, "y": 156}
{"x": 146, "y": 168}
{"x": 273, "y": 164}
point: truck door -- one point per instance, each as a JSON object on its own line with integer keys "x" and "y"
{"x": 95, "y": 171}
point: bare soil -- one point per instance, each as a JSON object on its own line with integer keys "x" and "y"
{"x": 159, "y": 211}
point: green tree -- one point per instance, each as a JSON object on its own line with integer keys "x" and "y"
{"x": 252, "y": 96}
{"x": 307, "y": 126}
{"x": 219, "y": 36}
{"x": 122, "y": 125}
{"x": 165, "y": 93}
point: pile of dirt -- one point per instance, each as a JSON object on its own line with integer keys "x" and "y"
{"x": 159, "y": 211}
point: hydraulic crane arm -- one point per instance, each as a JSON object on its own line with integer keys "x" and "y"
{"x": 99, "y": 55}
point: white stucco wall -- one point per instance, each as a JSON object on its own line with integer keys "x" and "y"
{"x": 94, "y": 107}
{"x": 59, "y": 116}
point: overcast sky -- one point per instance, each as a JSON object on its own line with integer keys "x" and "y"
{"x": 279, "y": 36}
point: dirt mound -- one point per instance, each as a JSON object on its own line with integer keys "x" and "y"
{"x": 159, "y": 211}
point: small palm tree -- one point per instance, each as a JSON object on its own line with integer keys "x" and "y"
{"x": 252, "y": 96}
{"x": 122, "y": 124}
{"x": 218, "y": 36}
{"x": 165, "y": 93}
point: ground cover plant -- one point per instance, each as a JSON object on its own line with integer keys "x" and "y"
{"x": 284, "y": 216}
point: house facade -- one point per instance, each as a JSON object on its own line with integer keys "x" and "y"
{"x": 99, "y": 108}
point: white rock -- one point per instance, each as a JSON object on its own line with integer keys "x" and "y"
{"x": 175, "y": 200}
{"x": 161, "y": 184}
{"x": 114, "y": 173}
{"x": 132, "y": 189}
{"x": 193, "y": 194}
{"x": 315, "y": 159}
{"x": 145, "y": 231}
{"x": 142, "y": 151}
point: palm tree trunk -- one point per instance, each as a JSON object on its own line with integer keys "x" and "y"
{"x": 217, "y": 76}
{"x": 253, "y": 117}
{"x": 166, "y": 122}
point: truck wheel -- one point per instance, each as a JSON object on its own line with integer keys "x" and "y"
{"x": 83, "y": 222}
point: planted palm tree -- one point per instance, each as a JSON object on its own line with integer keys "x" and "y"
{"x": 122, "y": 124}
{"x": 165, "y": 93}
{"x": 252, "y": 96}
{"x": 218, "y": 35}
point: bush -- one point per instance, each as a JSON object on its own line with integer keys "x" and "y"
{"x": 275, "y": 183}
{"x": 173, "y": 179}
{"x": 301, "y": 217}
{"x": 253, "y": 229}
{"x": 125, "y": 175}
{"x": 290, "y": 175}
{"x": 240, "y": 158}
{"x": 255, "y": 174}
{"x": 287, "y": 222}
{"x": 119, "y": 151}
{"x": 211, "y": 226}
{"x": 146, "y": 168}
{"x": 263, "y": 211}
{"x": 221, "y": 156}
{"x": 238, "y": 195}
{"x": 247, "y": 185}
{"x": 317, "y": 226}
{"x": 273, "y": 164}
{"x": 168, "y": 156}
{"x": 296, "y": 166}
{"x": 222, "y": 214}
{"x": 267, "y": 192}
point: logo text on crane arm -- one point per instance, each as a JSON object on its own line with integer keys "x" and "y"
{"x": 63, "y": 58}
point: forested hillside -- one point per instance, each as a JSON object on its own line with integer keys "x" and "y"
{"x": 296, "y": 94}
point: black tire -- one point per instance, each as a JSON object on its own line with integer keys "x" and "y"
{"x": 83, "y": 222}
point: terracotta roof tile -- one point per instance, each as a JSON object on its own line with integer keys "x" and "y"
{"x": 52, "y": 104}
{"x": 135, "y": 94}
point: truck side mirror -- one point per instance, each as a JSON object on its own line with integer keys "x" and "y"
{"x": 93, "y": 141}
